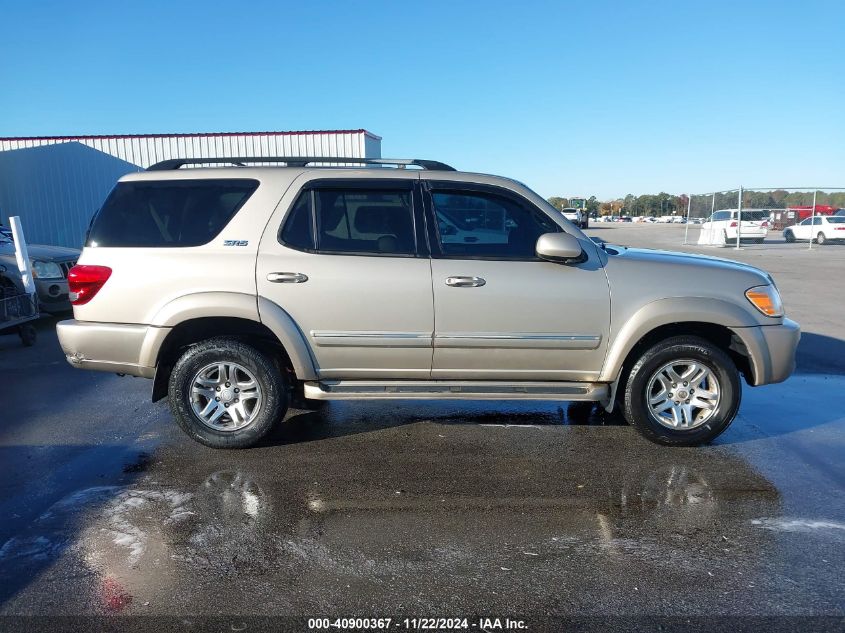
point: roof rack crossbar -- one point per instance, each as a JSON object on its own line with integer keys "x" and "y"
{"x": 299, "y": 161}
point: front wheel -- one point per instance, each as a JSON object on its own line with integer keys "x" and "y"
{"x": 789, "y": 236}
{"x": 821, "y": 239}
{"x": 227, "y": 394}
{"x": 684, "y": 391}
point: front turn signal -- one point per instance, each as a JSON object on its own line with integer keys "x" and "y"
{"x": 766, "y": 299}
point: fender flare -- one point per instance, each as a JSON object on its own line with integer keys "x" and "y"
{"x": 290, "y": 336}
{"x": 666, "y": 312}
{"x": 235, "y": 305}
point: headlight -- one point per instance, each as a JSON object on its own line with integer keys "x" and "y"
{"x": 766, "y": 299}
{"x": 46, "y": 270}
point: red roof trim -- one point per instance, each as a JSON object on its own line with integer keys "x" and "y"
{"x": 184, "y": 135}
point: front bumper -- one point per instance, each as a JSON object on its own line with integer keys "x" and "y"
{"x": 52, "y": 295}
{"x": 112, "y": 347}
{"x": 771, "y": 350}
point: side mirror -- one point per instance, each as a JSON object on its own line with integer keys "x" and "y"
{"x": 559, "y": 247}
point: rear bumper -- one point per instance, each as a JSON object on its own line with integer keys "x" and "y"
{"x": 771, "y": 350}
{"x": 112, "y": 347}
{"x": 747, "y": 234}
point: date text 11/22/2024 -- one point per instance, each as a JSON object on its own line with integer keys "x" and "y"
{"x": 426, "y": 624}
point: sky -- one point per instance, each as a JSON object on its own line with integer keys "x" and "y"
{"x": 572, "y": 98}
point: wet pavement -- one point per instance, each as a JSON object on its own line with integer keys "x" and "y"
{"x": 413, "y": 508}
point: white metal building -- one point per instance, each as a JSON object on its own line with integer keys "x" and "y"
{"x": 56, "y": 183}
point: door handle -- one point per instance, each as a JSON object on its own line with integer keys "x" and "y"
{"x": 287, "y": 278}
{"x": 465, "y": 282}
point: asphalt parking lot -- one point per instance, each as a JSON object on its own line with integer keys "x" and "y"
{"x": 431, "y": 510}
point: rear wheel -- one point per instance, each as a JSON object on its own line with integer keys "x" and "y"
{"x": 684, "y": 391}
{"x": 789, "y": 236}
{"x": 821, "y": 239}
{"x": 226, "y": 394}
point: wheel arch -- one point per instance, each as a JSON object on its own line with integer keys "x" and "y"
{"x": 714, "y": 320}
{"x": 235, "y": 315}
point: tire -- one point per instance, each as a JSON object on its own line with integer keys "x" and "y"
{"x": 725, "y": 235}
{"x": 789, "y": 236}
{"x": 821, "y": 239}
{"x": 645, "y": 379}
{"x": 259, "y": 376}
{"x": 28, "y": 334}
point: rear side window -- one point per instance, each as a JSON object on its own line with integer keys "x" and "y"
{"x": 352, "y": 221}
{"x": 298, "y": 231}
{"x": 168, "y": 213}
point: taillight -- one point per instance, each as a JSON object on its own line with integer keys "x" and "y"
{"x": 84, "y": 282}
{"x": 733, "y": 225}
{"x": 765, "y": 224}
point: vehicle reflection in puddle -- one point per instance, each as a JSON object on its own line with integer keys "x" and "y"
{"x": 149, "y": 548}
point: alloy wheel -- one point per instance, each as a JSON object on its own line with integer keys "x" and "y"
{"x": 683, "y": 394}
{"x": 225, "y": 396}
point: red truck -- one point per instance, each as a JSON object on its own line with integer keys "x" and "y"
{"x": 781, "y": 218}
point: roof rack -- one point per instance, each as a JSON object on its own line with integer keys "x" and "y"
{"x": 299, "y": 161}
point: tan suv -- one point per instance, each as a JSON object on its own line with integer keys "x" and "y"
{"x": 238, "y": 289}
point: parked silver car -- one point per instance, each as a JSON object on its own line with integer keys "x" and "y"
{"x": 238, "y": 289}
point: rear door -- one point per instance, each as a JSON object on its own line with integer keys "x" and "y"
{"x": 500, "y": 312}
{"x": 345, "y": 259}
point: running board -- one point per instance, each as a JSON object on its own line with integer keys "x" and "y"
{"x": 454, "y": 390}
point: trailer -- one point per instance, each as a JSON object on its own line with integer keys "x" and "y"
{"x": 17, "y": 311}
{"x": 782, "y": 218}
{"x": 18, "y": 296}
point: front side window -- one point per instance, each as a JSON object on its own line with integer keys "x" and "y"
{"x": 486, "y": 225}
{"x": 168, "y": 213}
{"x": 351, "y": 221}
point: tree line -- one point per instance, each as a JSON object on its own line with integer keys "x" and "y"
{"x": 668, "y": 204}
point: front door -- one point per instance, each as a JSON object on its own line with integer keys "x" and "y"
{"x": 342, "y": 259}
{"x": 501, "y": 312}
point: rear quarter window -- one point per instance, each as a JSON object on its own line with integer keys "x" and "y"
{"x": 170, "y": 213}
